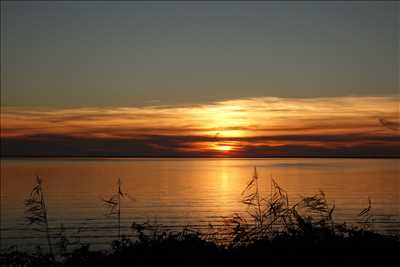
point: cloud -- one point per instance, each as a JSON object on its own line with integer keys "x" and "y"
{"x": 251, "y": 127}
{"x": 393, "y": 125}
{"x": 180, "y": 146}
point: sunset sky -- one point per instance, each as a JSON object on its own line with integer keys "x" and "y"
{"x": 227, "y": 79}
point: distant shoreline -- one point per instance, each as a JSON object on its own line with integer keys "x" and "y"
{"x": 191, "y": 157}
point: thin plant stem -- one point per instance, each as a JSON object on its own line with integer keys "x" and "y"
{"x": 119, "y": 208}
{"x": 37, "y": 211}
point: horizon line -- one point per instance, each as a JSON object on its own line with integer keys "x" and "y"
{"x": 199, "y": 157}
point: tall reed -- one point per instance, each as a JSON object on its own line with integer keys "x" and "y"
{"x": 114, "y": 206}
{"x": 36, "y": 211}
{"x": 272, "y": 214}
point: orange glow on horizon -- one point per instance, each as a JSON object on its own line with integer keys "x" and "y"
{"x": 224, "y": 148}
{"x": 230, "y": 126}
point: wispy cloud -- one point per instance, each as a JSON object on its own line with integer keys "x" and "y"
{"x": 254, "y": 127}
{"x": 393, "y": 124}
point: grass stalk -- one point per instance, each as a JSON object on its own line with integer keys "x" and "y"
{"x": 36, "y": 211}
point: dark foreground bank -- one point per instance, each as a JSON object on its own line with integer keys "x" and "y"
{"x": 317, "y": 247}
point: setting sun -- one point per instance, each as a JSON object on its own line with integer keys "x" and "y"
{"x": 224, "y": 148}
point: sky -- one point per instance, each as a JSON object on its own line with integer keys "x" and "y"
{"x": 200, "y": 79}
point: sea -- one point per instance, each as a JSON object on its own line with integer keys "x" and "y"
{"x": 177, "y": 193}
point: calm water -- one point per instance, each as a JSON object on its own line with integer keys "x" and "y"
{"x": 178, "y": 192}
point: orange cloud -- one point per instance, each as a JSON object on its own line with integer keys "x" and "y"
{"x": 226, "y": 126}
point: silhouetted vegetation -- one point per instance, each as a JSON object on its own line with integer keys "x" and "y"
{"x": 273, "y": 232}
{"x": 113, "y": 204}
{"x": 36, "y": 212}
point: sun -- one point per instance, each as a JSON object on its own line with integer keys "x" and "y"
{"x": 224, "y": 148}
